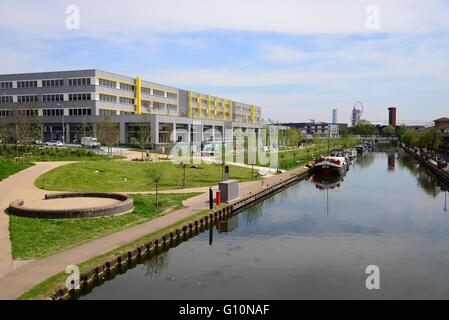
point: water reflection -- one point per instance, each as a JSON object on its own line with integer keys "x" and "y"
{"x": 155, "y": 266}
{"x": 391, "y": 161}
{"x": 286, "y": 248}
{"x": 429, "y": 183}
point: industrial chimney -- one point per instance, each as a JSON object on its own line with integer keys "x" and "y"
{"x": 392, "y": 116}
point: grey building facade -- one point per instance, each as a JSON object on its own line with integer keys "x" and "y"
{"x": 67, "y": 104}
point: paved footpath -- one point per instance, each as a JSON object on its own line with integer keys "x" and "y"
{"x": 19, "y": 186}
{"x": 15, "y": 281}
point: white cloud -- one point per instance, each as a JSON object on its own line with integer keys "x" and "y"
{"x": 107, "y": 17}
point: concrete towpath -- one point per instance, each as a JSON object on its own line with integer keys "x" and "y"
{"x": 15, "y": 281}
{"x": 19, "y": 186}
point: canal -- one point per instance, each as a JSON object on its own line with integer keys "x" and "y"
{"x": 313, "y": 241}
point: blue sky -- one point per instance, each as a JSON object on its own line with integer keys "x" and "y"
{"x": 296, "y": 59}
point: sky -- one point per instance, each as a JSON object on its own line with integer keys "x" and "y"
{"x": 297, "y": 60}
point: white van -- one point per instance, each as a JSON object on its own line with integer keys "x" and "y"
{"x": 90, "y": 142}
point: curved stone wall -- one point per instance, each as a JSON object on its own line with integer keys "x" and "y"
{"x": 126, "y": 204}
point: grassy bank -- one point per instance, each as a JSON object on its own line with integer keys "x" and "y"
{"x": 48, "y": 287}
{"x": 9, "y": 167}
{"x": 40, "y": 153}
{"x": 298, "y": 157}
{"x": 34, "y": 238}
{"x": 121, "y": 176}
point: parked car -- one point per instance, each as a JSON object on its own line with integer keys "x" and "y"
{"x": 90, "y": 142}
{"x": 54, "y": 143}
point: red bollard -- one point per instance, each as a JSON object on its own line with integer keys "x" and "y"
{"x": 217, "y": 198}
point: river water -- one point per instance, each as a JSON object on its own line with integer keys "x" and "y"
{"x": 312, "y": 242}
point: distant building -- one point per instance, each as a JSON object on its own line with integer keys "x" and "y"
{"x": 442, "y": 124}
{"x": 318, "y": 129}
{"x": 392, "y": 116}
{"x": 335, "y": 116}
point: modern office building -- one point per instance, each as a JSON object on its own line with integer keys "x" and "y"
{"x": 68, "y": 102}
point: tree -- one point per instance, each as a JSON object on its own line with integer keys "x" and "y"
{"x": 389, "y": 131}
{"x": 144, "y": 136}
{"x": 293, "y": 137}
{"x": 344, "y": 132}
{"x": 107, "y": 133}
{"x": 365, "y": 128}
{"x": 430, "y": 138}
{"x": 156, "y": 176}
{"x": 20, "y": 128}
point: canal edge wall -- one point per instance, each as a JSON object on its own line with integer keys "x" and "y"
{"x": 128, "y": 260}
{"x": 439, "y": 173}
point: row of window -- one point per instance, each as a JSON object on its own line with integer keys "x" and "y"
{"x": 6, "y": 85}
{"x": 106, "y": 112}
{"x": 33, "y": 98}
{"x": 107, "y": 98}
{"x": 27, "y": 84}
{"x": 53, "y": 83}
{"x": 79, "y": 96}
{"x": 107, "y": 83}
{"x": 53, "y": 112}
{"x": 80, "y": 112}
{"x": 126, "y": 100}
{"x": 126, "y": 87}
{"x": 6, "y": 99}
{"x": 20, "y": 113}
{"x": 79, "y": 82}
{"x": 52, "y": 97}
{"x": 86, "y": 82}
{"x": 158, "y": 93}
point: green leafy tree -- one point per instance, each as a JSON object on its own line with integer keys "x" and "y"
{"x": 389, "y": 131}
{"x": 365, "y": 128}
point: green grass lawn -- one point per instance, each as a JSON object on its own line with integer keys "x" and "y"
{"x": 9, "y": 167}
{"x": 34, "y": 238}
{"x": 293, "y": 158}
{"x": 127, "y": 176}
{"x": 40, "y": 153}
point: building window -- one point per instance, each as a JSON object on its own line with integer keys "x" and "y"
{"x": 5, "y": 113}
{"x": 80, "y": 112}
{"x": 172, "y": 96}
{"x": 79, "y": 96}
{"x": 53, "y": 83}
{"x": 107, "y": 83}
{"x": 52, "y": 112}
{"x": 6, "y": 99}
{"x": 146, "y": 91}
{"x": 79, "y": 82}
{"x": 126, "y": 87}
{"x": 107, "y": 112}
{"x": 52, "y": 97}
{"x": 158, "y": 93}
{"x": 107, "y": 98}
{"x": 158, "y": 105}
{"x": 31, "y": 113}
{"x": 27, "y": 98}
{"x": 126, "y": 100}
{"x": 172, "y": 107}
{"x": 6, "y": 85}
{"x": 27, "y": 84}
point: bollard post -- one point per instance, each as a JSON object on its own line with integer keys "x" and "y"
{"x": 211, "y": 199}
{"x": 217, "y": 198}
